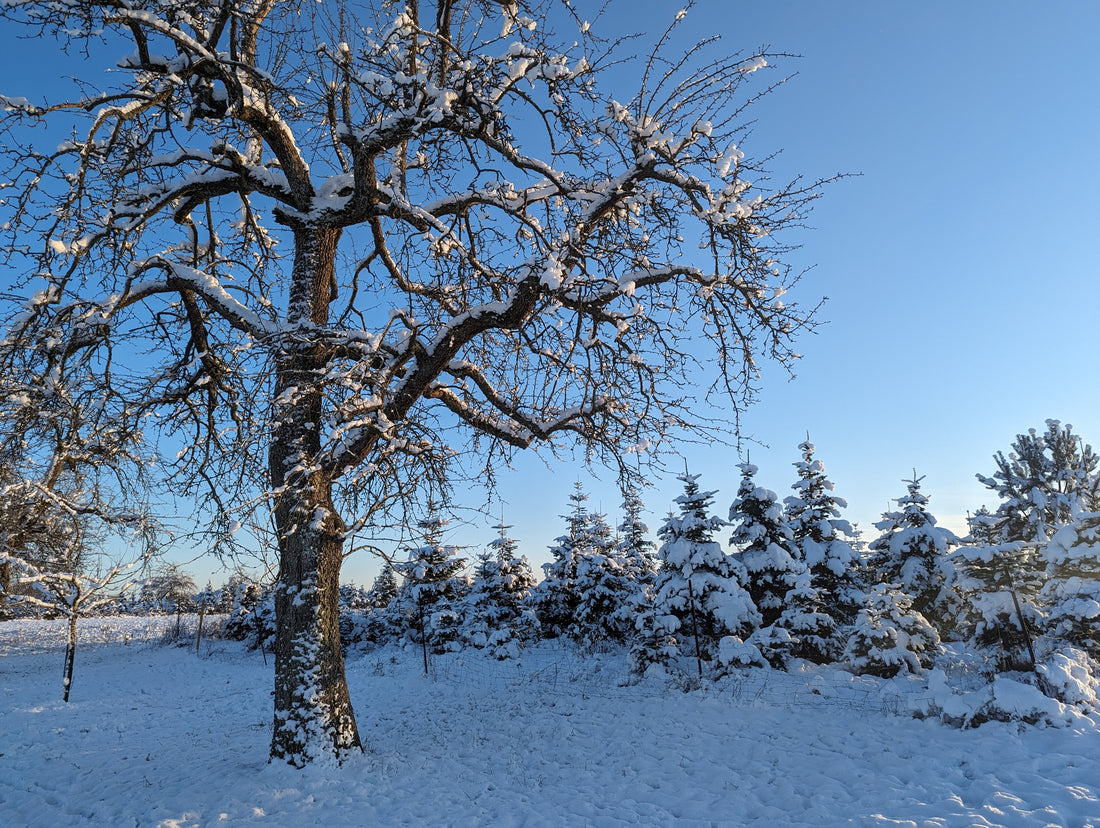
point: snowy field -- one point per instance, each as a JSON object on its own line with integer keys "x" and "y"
{"x": 157, "y": 735}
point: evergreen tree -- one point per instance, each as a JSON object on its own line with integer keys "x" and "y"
{"x": 207, "y": 600}
{"x": 503, "y": 546}
{"x": 1001, "y": 621}
{"x": 805, "y": 628}
{"x": 555, "y": 598}
{"x": 639, "y": 553}
{"x": 384, "y": 589}
{"x": 1045, "y": 480}
{"x": 765, "y": 546}
{"x": 889, "y": 636}
{"x": 912, "y": 553}
{"x": 827, "y": 544}
{"x": 606, "y": 585}
{"x": 495, "y": 611}
{"x": 378, "y": 623}
{"x": 432, "y": 587}
{"x": 252, "y": 618}
{"x": 353, "y": 597}
{"x": 1072, "y": 589}
{"x": 357, "y": 624}
{"x": 698, "y": 597}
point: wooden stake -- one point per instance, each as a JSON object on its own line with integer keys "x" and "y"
{"x": 695, "y": 628}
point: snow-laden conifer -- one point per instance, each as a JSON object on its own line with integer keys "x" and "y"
{"x": 913, "y": 553}
{"x": 607, "y": 586}
{"x": 826, "y": 543}
{"x": 1045, "y": 481}
{"x": 384, "y": 589}
{"x": 495, "y": 612}
{"x": 806, "y": 627}
{"x": 889, "y": 636}
{"x": 1071, "y": 594}
{"x": 252, "y": 617}
{"x": 698, "y": 597}
{"x": 764, "y": 546}
{"x": 638, "y": 552}
{"x": 426, "y": 607}
{"x": 555, "y": 597}
{"x": 999, "y": 615}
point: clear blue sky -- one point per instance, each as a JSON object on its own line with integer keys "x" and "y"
{"x": 962, "y": 266}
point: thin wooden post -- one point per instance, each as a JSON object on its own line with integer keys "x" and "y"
{"x": 259, "y": 630}
{"x": 70, "y": 653}
{"x": 695, "y": 628}
{"x": 423, "y": 637}
{"x": 1024, "y": 626}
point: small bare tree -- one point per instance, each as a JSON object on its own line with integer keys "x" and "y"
{"x": 68, "y": 542}
{"x": 64, "y": 589}
{"x": 358, "y": 234}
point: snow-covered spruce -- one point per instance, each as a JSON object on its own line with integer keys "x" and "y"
{"x": 1000, "y": 618}
{"x": 763, "y": 544}
{"x": 590, "y": 591}
{"x": 427, "y": 606}
{"x": 828, "y": 544}
{"x": 889, "y": 636}
{"x": 638, "y": 552}
{"x": 555, "y": 598}
{"x": 1071, "y": 594}
{"x": 698, "y": 597}
{"x": 806, "y": 628}
{"x": 252, "y": 615}
{"x": 913, "y": 553}
{"x": 1044, "y": 482}
{"x": 495, "y": 611}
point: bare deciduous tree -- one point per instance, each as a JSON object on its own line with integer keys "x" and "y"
{"x": 70, "y": 537}
{"x": 361, "y": 234}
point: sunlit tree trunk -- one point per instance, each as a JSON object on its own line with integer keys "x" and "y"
{"x": 313, "y": 711}
{"x": 70, "y": 653}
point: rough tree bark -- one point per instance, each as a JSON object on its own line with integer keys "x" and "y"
{"x": 312, "y": 703}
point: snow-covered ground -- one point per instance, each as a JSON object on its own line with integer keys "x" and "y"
{"x": 157, "y": 735}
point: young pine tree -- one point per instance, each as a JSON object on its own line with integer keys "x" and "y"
{"x": 806, "y": 627}
{"x": 826, "y": 543}
{"x": 698, "y": 597}
{"x": 606, "y": 586}
{"x": 765, "y": 546}
{"x": 1044, "y": 482}
{"x": 1072, "y": 589}
{"x": 495, "y": 613}
{"x": 384, "y": 589}
{"x": 433, "y": 586}
{"x": 555, "y": 597}
{"x": 890, "y": 636}
{"x": 913, "y": 553}
{"x": 1001, "y": 620}
{"x": 638, "y": 552}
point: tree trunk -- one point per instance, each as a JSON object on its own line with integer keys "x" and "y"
{"x": 70, "y": 654}
{"x": 313, "y": 714}
{"x": 5, "y": 587}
